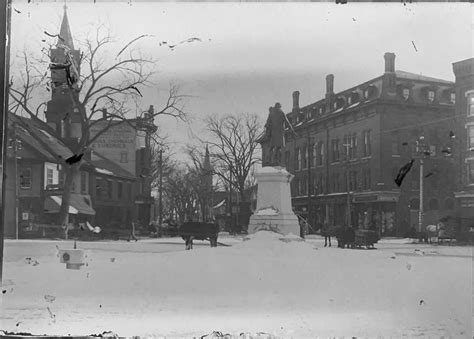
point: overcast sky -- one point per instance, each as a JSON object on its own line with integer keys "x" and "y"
{"x": 252, "y": 55}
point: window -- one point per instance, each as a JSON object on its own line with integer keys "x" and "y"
{"x": 25, "y": 178}
{"x": 470, "y": 136}
{"x": 353, "y": 146}
{"x": 123, "y": 157}
{"x": 367, "y": 144}
{"x": 298, "y": 159}
{"x": 452, "y": 98}
{"x": 305, "y": 157}
{"x": 83, "y": 182}
{"x": 349, "y": 100}
{"x": 314, "y": 161}
{"x": 406, "y": 93}
{"x": 296, "y": 186}
{"x": 431, "y": 96}
{"x": 470, "y": 102}
{"x": 109, "y": 188}
{"x": 470, "y": 173}
{"x": 320, "y": 153}
{"x": 366, "y": 93}
{"x": 335, "y": 150}
{"x": 287, "y": 159}
{"x": 304, "y": 186}
{"x": 98, "y": 187}
{"x": 366, "y": 179}
{"x": 49, "y": 177}
{"x": 119, "y": 190}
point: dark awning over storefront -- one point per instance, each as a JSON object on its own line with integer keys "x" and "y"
{"x": 78, "y": 204}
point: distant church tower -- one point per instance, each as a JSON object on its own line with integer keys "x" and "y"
{"x": 60, "y": 113}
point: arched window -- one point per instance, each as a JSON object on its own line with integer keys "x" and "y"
{"x": 433, "y": 204}
{"x": 415, "y": 204}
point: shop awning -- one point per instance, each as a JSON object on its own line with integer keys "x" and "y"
{"x": 78, "y": 204}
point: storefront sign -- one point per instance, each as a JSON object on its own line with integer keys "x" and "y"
{"x": 467, "y": 202}
{"x": 367, "y": 198}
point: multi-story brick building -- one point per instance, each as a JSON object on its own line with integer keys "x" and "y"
{"x": 349, "y": 146}
{"x": 464, "y": 86}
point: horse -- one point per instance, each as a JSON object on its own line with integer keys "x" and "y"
{"x": 432, "y": 231}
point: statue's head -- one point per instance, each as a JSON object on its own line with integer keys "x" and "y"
{"x": 277, "y": 105}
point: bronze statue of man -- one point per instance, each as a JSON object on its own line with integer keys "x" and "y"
{"x": 274, "y": 136}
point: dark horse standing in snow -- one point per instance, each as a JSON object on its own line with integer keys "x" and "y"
{"x": 199, "y": 230}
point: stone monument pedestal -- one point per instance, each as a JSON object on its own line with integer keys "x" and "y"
{"x": 274, "y": 210}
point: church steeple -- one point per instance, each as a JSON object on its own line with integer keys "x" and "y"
{"x": 207, "y": 161}
{"x": 65, "y": 32}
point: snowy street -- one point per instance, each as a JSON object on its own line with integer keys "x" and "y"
{"x": 297, "y": 289}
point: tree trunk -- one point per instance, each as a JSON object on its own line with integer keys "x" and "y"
{"x": 63, "y": 218}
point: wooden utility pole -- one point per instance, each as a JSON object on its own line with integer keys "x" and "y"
{"x": 5, "y": 24}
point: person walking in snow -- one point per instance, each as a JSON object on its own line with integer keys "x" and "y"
{"x": 132, "y": 232}
{"x": 326, "y": 233}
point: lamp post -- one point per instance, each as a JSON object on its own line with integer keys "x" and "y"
{"x": 309, "y": 159}
{"x": 421, "y": 149}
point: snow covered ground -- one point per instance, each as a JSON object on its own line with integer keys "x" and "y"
{"x": 286, "y": 288}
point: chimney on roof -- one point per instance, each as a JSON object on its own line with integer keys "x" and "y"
{"x": 329, "y": 84}
{"x": 389, "y": 62}
{"x": 389, "y": 79}
{"x": 296, "y": 100}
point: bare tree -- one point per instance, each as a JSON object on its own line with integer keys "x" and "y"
{"x": 100, "y": 94}
{"x": 179, "y": 193}
{"x": 233, "y": 144}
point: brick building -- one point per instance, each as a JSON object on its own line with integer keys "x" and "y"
{"x": 464, "y": 86}
{"x": 350, "y": 145}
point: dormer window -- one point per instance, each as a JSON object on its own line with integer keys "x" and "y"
{"x": 349, "y": 100}
{"x": 334, "y": 105}
{"x": 366, "y": 93}
{"x": 320, "y": 110}
{"x": 431, "y": 96}
{"x": 406, "y": 93}
{"x": 452, "y": 98}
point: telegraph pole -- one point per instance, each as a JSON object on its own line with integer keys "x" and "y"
{"x": 309, "y": 148}
{"x": 15, "y": 161}
{"x": 420, "y": 149}
{"x": 349, "y": 221}
{"x": 5, "y": 24}
{"x": 230, "y": 200}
